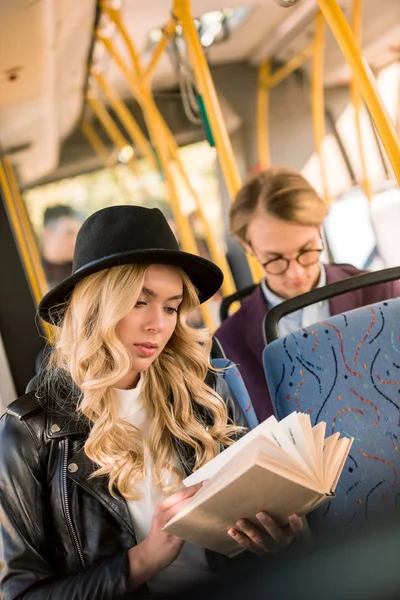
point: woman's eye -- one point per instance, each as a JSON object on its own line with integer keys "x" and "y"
{"x": 140, "y": 303}
{"x": 171, "y": 310}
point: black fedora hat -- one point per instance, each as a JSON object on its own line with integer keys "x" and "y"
{"x": 121, "y": 235}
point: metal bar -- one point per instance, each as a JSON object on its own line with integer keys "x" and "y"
{"x": 206, "y": 87}
{"x": 186, "y": 235}
{"x": 292, "y": 65}
{"x": 106, "y": 120}
{"x": 356, "y": 100}
{"x": 116, "y": 18}
{"x": 159, "y": 50}
{"x": 228, "y": 285}
{"x": 126, "y": 118}
{"x": 317, "y": 98}
{"x": 95, "y": 141}
{"x": 111, "y": 128}
{"x": 264, "y": 153}
{"x": 357, "y": 282}
{"x": 156, "y": 128}
{"x": 150, "y": 109}
{"x": 182, "y": 10}
{"x": 364, "y": 79}
{"x": 25, "y": 239}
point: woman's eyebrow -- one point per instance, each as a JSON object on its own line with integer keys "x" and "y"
{"x": 150, "y": 292}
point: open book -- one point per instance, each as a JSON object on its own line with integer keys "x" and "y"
{"x": 282, "y": 468}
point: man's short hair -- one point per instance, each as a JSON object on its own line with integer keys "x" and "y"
{"x": 58, "y": 211}
{"x": 282, "y": 193}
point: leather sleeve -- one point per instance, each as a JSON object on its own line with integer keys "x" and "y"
{"x": 27, "y": 575}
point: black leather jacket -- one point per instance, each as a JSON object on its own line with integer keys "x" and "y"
{"x": 64, "y": 536}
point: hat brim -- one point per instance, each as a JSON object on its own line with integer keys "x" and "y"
{"x": 205, "y": 275}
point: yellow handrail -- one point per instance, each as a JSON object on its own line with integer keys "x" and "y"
{"x": 95, "y": 141}
{"x": 111, "y": 128}
{"x": 356, "y": 101}
{"x": 159, "y": 50}
{"x": 126, "y": 118}
{"x": 116, "y": 18}
{"x": 24, "y": 237}
{"x": 155, "y": 125}
{"x": 294, "y": 63}
{"x": 264, "y": 153}
{"x": 182, "y": 11}
{"x": 150, "y": 110}
{"x": 364, "y": 79}
{"x": 317, "y": 98}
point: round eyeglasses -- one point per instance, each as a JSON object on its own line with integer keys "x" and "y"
{"x": 280, "y": 264}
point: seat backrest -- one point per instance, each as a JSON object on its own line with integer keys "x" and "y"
{"x": 236, "y": 384}
{"x": 346, "y": 371}
{"x": 238, "y": 296}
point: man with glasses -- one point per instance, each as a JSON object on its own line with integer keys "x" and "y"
{"x": 277, "y": 216}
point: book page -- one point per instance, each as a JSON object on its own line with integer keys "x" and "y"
{"x": 340, "y": 454}
{"x": 298, "y": 427}
{"x": 329, "y": 449}
{"x": 319, "y": 431}
{"x": 214, "y": 465}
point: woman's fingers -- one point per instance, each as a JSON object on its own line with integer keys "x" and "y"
{"x": 269, "y": 536}
{"x": 182, "y": 494}
{"x": 257, "y": 547}
{"x": 280, "y": 535}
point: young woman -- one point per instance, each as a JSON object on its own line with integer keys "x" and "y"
{"x": 92, "y": 460}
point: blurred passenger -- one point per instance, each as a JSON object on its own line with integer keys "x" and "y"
{"x": 61, "y": 224}
{"x": 277, "y": 216}
{"x": 92, "y": 461}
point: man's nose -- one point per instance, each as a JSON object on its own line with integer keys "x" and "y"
{"x": 295, "y": 269}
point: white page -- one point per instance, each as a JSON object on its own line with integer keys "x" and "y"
{"x": 214, "y": 465}
{"x": 281, "y": 437}
{"x": 292, "y": 427}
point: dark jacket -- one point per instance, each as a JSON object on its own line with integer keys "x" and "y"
{"x": 64, "y": 536}
{"x": 242, "y": 339}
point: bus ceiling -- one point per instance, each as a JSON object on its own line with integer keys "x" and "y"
{"x": 46, "y": 48}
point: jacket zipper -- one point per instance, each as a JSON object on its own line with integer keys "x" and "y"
{"x": 66, "y": 506}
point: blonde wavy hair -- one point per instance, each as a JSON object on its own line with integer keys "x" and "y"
{"x": 174, "y": 391}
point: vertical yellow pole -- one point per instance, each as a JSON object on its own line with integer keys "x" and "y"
{"x": 160, "y": 134}
{"x": 24, "y": 237}
{"x": 356, "y": 100}
{"x": 182, "y": 11}
{"x": 156, "y": 128}
{"x": 364, "y": 79}
{"x": 317, "y": 98}
{"x": 185, "y": 233}
{"x": 264, "y": 154}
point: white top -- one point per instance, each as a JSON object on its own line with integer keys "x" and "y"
{"x": 301, "y": 318}
{"x": 191, "y": 565}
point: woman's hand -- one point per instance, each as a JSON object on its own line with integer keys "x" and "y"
{"x": 159, "y": 549}
{"x": 268, "y": 536}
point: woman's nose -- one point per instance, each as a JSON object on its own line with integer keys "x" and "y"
{"x": 155, "y": 320}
